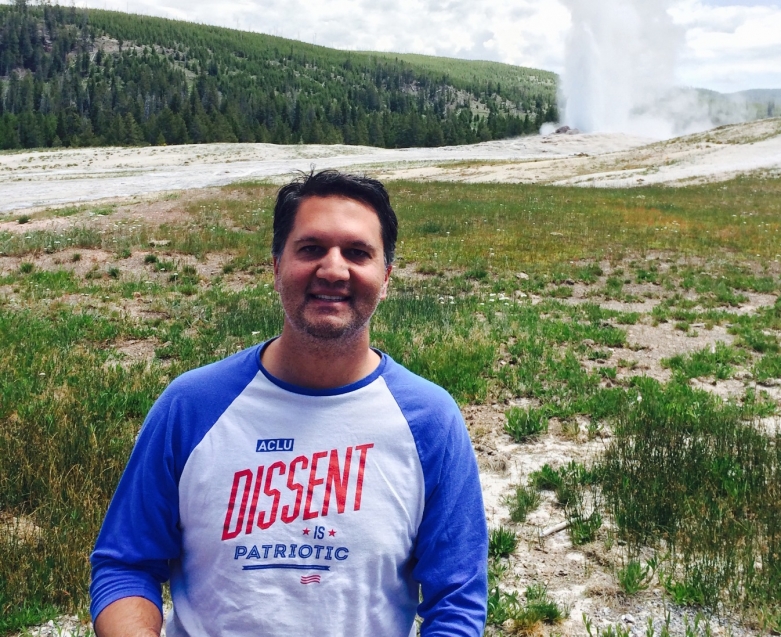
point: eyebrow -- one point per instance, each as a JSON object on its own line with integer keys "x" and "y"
{"x": 353, "y": 244}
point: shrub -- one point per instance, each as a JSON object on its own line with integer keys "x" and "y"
{"x": 689, "y": 470}
{"x": 536, "y": 608}
{"x": 523, "y": 424}
{"x": 547, "y": 478}
{"x": 501, "y": 542}
{"x": 634, "y": 577}
{"x": 522, "y": 502}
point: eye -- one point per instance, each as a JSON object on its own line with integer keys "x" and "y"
{"x": 357, "y": 254}
{"x": 310, "y": 250}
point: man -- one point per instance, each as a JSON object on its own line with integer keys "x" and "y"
{"x": 308, "y": 485}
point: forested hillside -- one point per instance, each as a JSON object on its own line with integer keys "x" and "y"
{"x": 72, "y": 77}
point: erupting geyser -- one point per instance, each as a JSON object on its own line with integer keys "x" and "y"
{"x": 619, "y": 71}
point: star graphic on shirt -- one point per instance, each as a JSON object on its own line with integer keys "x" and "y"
{"x": 331, "y": 532}
{"x": 306, "y": 531}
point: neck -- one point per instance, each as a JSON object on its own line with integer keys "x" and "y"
{"x": 300, "y": 359}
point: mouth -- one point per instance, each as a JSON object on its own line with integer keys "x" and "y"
{"x": 330, "y": 298}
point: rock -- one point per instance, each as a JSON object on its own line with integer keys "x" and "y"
{"x": 20, "y": 529}
{"x": 627, "y": 619}
{"x": 562, "y": 130}
{"x": 522, "y": 275}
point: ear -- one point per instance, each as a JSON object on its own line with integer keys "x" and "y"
{"x": 384, "y": 289}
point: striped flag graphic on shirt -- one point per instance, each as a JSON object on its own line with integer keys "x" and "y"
{"x": 310, "y": 579}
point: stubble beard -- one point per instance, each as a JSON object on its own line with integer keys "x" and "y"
{"x": 325, "y": 332}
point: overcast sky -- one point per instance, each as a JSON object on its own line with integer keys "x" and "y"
{"x": 731, "y": 45}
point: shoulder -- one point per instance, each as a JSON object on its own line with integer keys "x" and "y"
{"x": 213, "y": 384}
{"x": 194, "y": 401}
{"x": 418, "y": 397}
{"x": 434, "y": 420}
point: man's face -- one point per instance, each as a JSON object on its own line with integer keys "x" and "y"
{"x": 331, "y": 274}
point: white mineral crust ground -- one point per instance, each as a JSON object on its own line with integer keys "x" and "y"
{"x": 39, "y": 179}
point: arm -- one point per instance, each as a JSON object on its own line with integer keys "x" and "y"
{"x": 450, "y": 557}
{"x": 129, "y": 617}
{"x": 139, "y": 535}
{"x": 452, "y": 543}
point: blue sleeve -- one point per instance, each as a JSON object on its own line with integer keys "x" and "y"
{"x": 140, "y": 533}
{"x": 451, "y": 550}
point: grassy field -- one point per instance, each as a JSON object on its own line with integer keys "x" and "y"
{"x": 525, "y": 297}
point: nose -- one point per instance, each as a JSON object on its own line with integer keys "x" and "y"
{"x": 333, "y": 266}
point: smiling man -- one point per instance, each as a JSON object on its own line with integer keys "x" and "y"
{"x": 307, "y": 485}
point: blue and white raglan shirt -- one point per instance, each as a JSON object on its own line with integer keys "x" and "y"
{"x": 279, "y": 510}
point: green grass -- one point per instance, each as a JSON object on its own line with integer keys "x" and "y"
{"x": 523, "y": 613}
{"x": 523, "y": 501}
{"x": 523, "y": 424}
{"x": 29, "y": 613}
{"x": 718, "y": 362}
{"x": 634, "y": 576}
{"x": 566, "y": 481}
{"x": 683, "y": 471}
{"x": 691, "y": 474}
{"x": 501, "y": 542}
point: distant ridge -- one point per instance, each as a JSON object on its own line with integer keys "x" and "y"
{"x": 71, "y": 77}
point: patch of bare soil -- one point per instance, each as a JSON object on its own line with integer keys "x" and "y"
{"x": 85, "y": 262}
{"x": 710, "y": 156}
{"x": 649, "y": 344}
{"x": 152, "y": 211}
{"x": 87, "y": 259}
{"x": 133, "y": 351}
{"x": 581, "y": 579}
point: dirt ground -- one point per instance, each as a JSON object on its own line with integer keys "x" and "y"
{"x": 582, "y": 579}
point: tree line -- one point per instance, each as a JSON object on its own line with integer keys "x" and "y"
{"x": 72, "y": 77}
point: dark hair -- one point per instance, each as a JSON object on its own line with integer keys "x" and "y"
{"x": 332, "y": 183}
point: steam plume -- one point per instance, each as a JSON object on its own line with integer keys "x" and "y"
{"x": 619, "y": 71}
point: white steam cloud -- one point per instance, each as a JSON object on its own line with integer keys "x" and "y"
{"x": 619, "y": 73}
